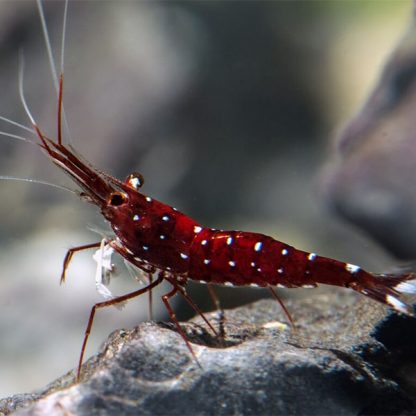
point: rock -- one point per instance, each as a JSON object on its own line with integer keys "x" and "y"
{"x": 346, "y": 356}
{"x": 370, "y": 178}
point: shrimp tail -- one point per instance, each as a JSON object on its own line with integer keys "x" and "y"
{"x": 398, "y": 291}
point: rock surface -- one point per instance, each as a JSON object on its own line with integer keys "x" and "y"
{"x": 346, "y": 356}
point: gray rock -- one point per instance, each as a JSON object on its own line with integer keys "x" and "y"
{"x": 346, "y": 356}
{"x": 370, "y": 181}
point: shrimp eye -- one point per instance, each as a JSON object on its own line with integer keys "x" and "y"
{"x": 116, "y": 199}
{"x": 135, "y": 180}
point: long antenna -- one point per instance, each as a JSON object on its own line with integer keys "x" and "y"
{"x": 15, "y": 123}
{"x": 21, "y": 91}
{"x": 53, "y": 185}
{"x": 48, "y": 45}
{"x": 57, "y": 82}
{"x": 64, "y": 36}
{"x": 15, "y": 136}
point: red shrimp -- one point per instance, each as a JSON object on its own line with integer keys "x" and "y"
{"x": 162, "y": 241}
{"x": 157, "y": 238}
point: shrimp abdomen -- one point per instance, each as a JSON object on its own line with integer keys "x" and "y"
{"x": 244, "y": 258}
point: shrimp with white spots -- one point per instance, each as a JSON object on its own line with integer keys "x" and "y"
{"x": 161, "y": 241}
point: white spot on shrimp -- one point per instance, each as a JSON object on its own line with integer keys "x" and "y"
{"x": 148, "y": 199}
{"x": 259, "y": 269}
{"x": 252, "y": 264}
{"x": 229, "y": 241}
{"x": 280, "y": 285}
{"x": 311, "y": 256}
{"x": 254, "y": 285}
{"x": 145, "y": 248}
{"x": 162, "y": 237}
{"x": 204, "y": 242}
{"x": 280, "y": 270}
{"x": 174, "y": 209}
{"x": 137, "y": 258}
{"x": 308, "y": 286}
{"x": 165, "y": 218}
{"x": 207, "y": 261}
{"x": 352, "y": 268}
{"x": 231, "y": 263}
{"x": 397, "y": 304}
{"x": 136, "y": 218}
{"x": 228, "y": 284}
{"x": 202, "y": 281}
{"x": 285, "y": 252}
{"x": 129, "y": 251}
{"x": 258, "y": 246}
{"x": 197, "y": 229}
{"x": 184, "y": 256}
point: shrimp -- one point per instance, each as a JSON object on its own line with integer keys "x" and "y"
{"x": 171, "y": 246}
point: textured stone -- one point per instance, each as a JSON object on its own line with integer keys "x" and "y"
{"x": 370, "y": 181}
{"x": 346, "y": 356}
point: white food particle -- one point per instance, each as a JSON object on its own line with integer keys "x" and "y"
{"x": 254, "y": 285}
{"x": 275, "y": 325}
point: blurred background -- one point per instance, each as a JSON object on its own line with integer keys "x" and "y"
{"x": 228, "y": 109}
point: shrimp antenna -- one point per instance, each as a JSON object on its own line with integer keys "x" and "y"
{"x": 21, "y": 91}
{"x": 57, "y": 83}
{"x": 63, "y": 35}
{"x": 15, "y": 123}
{"x": 48, "y": 45}
{"x": 53, "y": 185}
{"x": 15, "y": 136}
